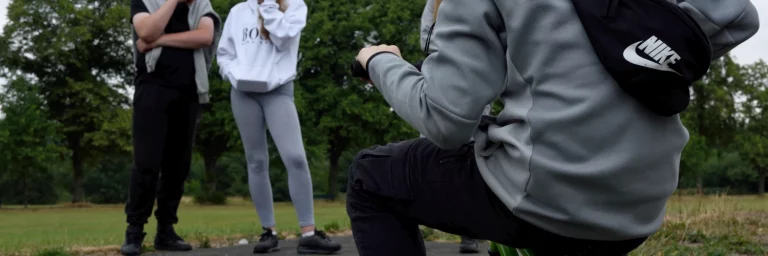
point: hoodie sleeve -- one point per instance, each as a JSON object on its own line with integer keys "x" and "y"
{"x": 727, "y": 23}
{"x": 283, "y": 27}
{"x": 445, "y": 102}
{"x": 225, "y": 53}
{"x": 210, "y": 51}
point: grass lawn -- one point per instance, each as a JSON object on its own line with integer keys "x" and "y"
{"x": 101, "y": 228}
{"x": 716, "y": 225}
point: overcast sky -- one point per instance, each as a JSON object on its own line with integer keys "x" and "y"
{"x": 754, "y": 49}
{"x": 3, "y": 10}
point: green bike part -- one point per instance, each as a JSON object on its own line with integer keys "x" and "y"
{"x": 509, "y": 251}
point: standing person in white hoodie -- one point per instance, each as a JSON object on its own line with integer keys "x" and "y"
{"x": 258, "y": 54}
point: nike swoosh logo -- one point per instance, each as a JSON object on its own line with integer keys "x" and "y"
{"x": 630, "y": 54}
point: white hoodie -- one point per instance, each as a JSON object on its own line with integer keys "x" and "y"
{"x": 250, "y": 62}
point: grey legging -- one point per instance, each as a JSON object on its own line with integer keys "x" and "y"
{"x": 275, "y": 110}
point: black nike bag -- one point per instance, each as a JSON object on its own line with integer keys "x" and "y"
{"x": 652, "y": 48}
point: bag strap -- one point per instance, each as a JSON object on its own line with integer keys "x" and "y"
{"x": 429, "y": 39}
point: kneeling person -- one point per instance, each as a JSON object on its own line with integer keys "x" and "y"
{"x": 573, "y": 165}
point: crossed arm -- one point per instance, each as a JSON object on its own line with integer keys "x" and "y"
{"x": 283, "y": 27}
{"x": 149, "y": 28}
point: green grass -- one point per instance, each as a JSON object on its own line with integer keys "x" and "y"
{"x": 101, "y": 228}
{"x": 715, "y": 225}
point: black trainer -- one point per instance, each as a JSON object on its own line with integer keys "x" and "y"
{"x": 319, "y": 243}
{"x": 134, "y": 237}
{"x": 468, "y": 245}
{"x": 268, "y": 242}
{"x": 166, "y": 239}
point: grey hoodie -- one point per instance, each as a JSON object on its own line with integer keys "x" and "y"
{"x": 570, "y": 152}
{"x": 203, "y": 57}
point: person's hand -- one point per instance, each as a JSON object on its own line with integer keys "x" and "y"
{"x": 261, "y": 1}
{"x": 144, "y": 46}
{"x": 369, "y": 51}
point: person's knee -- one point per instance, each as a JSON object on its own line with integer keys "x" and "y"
{"x": 258, "y": 166}
{"x": 358, "y": 165}
{"x": 377, "y": 170}
{"x": 352, "y": 185}
{"x": 147, "y": 165}
{"x": 352, "y": 165}
{"x": 296, "y": 163}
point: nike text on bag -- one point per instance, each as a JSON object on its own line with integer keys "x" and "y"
{"x": 653, "y": 49}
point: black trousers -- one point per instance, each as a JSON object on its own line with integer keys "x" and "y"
{"x": 164, "y": 122}
{"x": 395, "y": 188}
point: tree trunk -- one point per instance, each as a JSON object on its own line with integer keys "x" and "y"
{"x": 700, "y": 100}
{"x": 338, "y": 144}
{"x": 699, "y": 185}
{"x": 24, "y": 190}
{"x": 78, "y": 193}
{"x": 333, "y": 175}
{"x": 210, "y": 157}
{"x": 73, "y": 143}
{"x": 761, "y": 182}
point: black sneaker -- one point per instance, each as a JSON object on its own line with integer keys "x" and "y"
{"x": 166, "y": 239}
{"x": 319, "y": 243}
{"x": 134, "y": 237}
{"x": 267, "y": 242}
{"x": 468, "y": 245}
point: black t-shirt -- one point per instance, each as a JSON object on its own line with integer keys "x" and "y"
{"x": 176, "y": 66}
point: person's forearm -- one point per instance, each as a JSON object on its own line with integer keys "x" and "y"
{"x": 151, "y": 28}
{"x": 283, "y": 27}
{"x": 194, "y": 39}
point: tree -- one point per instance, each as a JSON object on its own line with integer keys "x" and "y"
{"x": 712, "y": 114}
{"x": 4, "y": 172}
{"x": 216, "y": 133}
{"x": 29, "y": 140}
{"x": 754, "y": 139}
{"x": 108, "y": 181}
{"x": 109, "y": 169}
{"x": 335, "y": 108}
{"x": 113, "y": 136}
{"x": 755, "y": 150}
{"x": 78, "y": 52}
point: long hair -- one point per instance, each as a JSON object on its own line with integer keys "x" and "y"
{"x": 437, "y": 6}
{"x": 263, "y": 30}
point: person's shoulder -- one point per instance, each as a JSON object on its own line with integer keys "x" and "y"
{"x": 138, "y": 6}
{"x": 296, "y": 3}
{"x": 138, "y": 3}
{"x": 239, "y": 6}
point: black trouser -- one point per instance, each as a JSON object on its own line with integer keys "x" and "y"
{"x": 394, "y": 188}
{"x": 164, "y": 122}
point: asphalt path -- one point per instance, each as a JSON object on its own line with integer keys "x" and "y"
{"x": 288, "y": 247}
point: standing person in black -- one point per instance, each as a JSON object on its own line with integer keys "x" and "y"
{"x": 171, "y": 83}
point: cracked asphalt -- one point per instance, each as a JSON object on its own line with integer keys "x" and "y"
{"x": 288, "y": 247}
